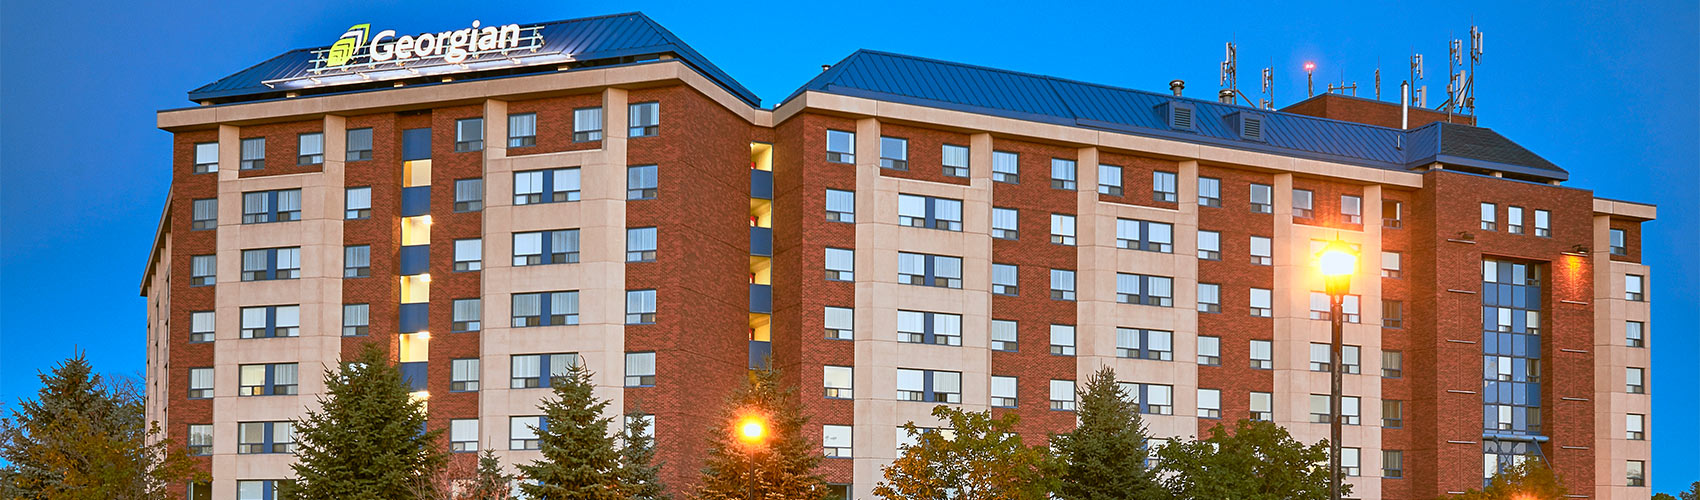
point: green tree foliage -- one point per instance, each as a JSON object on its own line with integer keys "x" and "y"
{"x": 640, "y": 475}
{"x": 579, "y": 459}
{"x": 778, "y": 466}
{"x": 1104, "y": 457}
{"x": 490, "y": 481}
{"x": 86, "y": 437}
{"x": 1693, "y": 492}
{"x": 1663, "y": 496}
{"x": 1257, "y": 461}
{"x": 980, "y": 458}
{"x": 1530, "y": 480}
{"x": 367, "y": 439}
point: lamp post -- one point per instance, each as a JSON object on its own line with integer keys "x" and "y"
{"x": 1337, "y": 262}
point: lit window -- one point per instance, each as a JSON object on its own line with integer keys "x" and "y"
{"x": 463, "y": 375}
{"x": 467, "y": 315}
{"x": 1352, "y": 209}
{"x": 1062, "y": 340}
{"x": 840, "y": 323}
{"x": 1349, "y": 307}
{"x": 640, "y": 307}
{"x": 469, "y": 255}
{"x": 1109, "y": 180}
{"x": 840, "y": 146}
{"x": 642, "y": 182}
{"x": 1163, "y": 187}
{"x": 1005, "y": 279}
{"x": 1145, "y": 235}
{"x": 1209, "y": 403}
{"x": 1303, "y": 204}
{"x": 840, "y": 205}
{"x": 587, "y": 124}
{"x": 310, "y": 149}
{"x": 205, "y": 214}
{"x": 522, "y": 130}
{"x": 1003, "y": 335}
{"x": 835, "y": 441}
{"x": 253, "y": 153}
{"x": 640, "y": 369}
{"x": 1062, "y": 395}
{"x": 463, "y": 435}
{"x": 1209, "y": 245}
{"x": 1261, "y": 198}
{"x": 1003, "y": 391}
{"x": 645, "y": 119}
{"x": 1262, "y": 355}
{"x": 1062, "y": 284}
{"x": 529, "y": 309}
{"x": 359, "y": 144}
{"x": 1139, "y": 343}
{"x": 1490, "y": 217}
{"x": 469, "y": 195}
{"x": 1209, "y": 350}
{"x": 640, "y": 244}
{"x": 1062, "y": 173}
{"x": 356, "y": 319}
{"x": 955, "y": 159}
{"x": 469, "y": 135}
{"x": 1006, "y": 167}
{"x": 840, "y": 264}
{"x": 206, "y": 157}
{"x": 838, "y": 381}
{"x": 1005, "y": 223}
{"x": 1062, "y": 229}
{"x": 894, "y": 153}
{"x": 929, "y": 212}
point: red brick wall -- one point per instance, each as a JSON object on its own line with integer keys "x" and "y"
{"x": 1400, "y": 339}
{"x": 1235, "y": 325}
{"x": 447, "y": 284}
{"x": 382, "y": 231}
{"x": 1326, "y": 203}
{"x": 282, "y": 147}
{"x": 926, "y": 152}
{"x": 186, "y": 187}
{"x": 1631, "y": 239}
{"x": 555, "y": 123}
{"x": 1137, "y": 178}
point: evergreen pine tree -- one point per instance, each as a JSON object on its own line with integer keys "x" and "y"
{"x": 1104, "y": 457}
{"x": 637, "y": 472}
{"x": 579, "y": 460}
{"x": 85, "y": 437}
{"x": 367, "y": 439}
{"x": 780, "y": 465}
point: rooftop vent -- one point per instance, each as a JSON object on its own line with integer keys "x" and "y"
{"x": 1179, "y": 115}
{"x": 1249, "y": 125}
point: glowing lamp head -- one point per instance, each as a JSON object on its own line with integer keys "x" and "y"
{"x": 1309, "y": 66}
{"x": 1337, "y": 262}
{"x": 751, "y": 429}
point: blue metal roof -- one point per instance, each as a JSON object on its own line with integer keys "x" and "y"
{"x": 977, "y": 89}
{"x": 591, "y": 38}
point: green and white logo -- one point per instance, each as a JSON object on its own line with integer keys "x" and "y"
{"x": 343, "y": 50}
{"x": 360, "y": 45}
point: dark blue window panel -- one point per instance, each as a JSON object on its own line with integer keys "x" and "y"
{"x": 415, "y": 317}
{"x": 761, "y": 299}
{"x": 415, "y": 259}
{"x": 761, "y": 241}
{"x": 761, "y": 184}
{"x": 416, "y": 144}
{"x": 760, "y": 352}
{"x": 415, "y": 201}
{"x": 413, "y": 374}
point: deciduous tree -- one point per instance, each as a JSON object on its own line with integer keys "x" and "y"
{"x": 1530, "y": 480}
{"x": 1257, "y": 461}
{"x": 976, "y": 456}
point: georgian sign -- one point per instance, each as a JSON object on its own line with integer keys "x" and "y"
{"x": 362, "y": 55}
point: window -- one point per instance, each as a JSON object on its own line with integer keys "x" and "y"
{"x": 640, "y": 369}
{"x": 467, "y": 315}
{"x": 469, "y": 135}
{"x": 1109, "y": 180}
{"x": 1261, "y": 199}
{"x": 840, "y": 146}
{"x": 894, "y": 153}
{"x": 278, "y": 379}
{"x": 463, "y": 375}
{"x": 1350, "y": 461}
{"x": 1635, "y": 334}
{"x": 1635, "y": 426}
{"x": 522, "y": 432}
{"x": 310, "y": 149}
{"x": 840, "y": 264}
{"x": 840, "y": 205}
{"x": 835, "y": 441}
{"x": 357, "y": 261}
{"x": 1303, "y": 204}
{"x": 838, "y": 381}
{"x": 1209, "y": 403}
{"x": 200, "y": 439}
{"x": 1003, "y": 335}
{"x": 1320, "y": 354}
{"x": 266, "y": 264}
{"x": 1209, "y": 245}
{"x": 253, "y": 153}
{"x": 929, "y": 212}
{"x": 1062, "y": 173}
{"x": 640, "y": 307}
{"x": 1261, "y": 252}
{"x": 200, "y": 383}
{"x": 1390, "y": 265}
{"x": 1635, "y": 380}
{"x": 1617, "y": 237}
{"x": 1005, "y": 223}
{"x": 1543, "y": 224}
{"x": 1352, "y": 209}
{"x": 1152, "y": 399}
{"x": 1062, "y": 229}
{"x": 1062, "y": 395}
{"x": 640, "y": 244}
{"x": 282, "y": 205}
{"x": 1139, "y": 343}
{"x": 357, "y": 203}
{"x": 1260, "y": 303}
{"x": 1392, "y": 464}
{"x": 587, "y": 124}
{"x": 1006, "y": 167}
{"x": 1163, "y": 187}
{"x": 463, "y": 435}
{"x": 1005, "y": 279}
{"x": 641, "y": 182}
{"x": 546, "y": 186}
{"x": 645, "y": 119}
{"x": 201, "y": 326}
{"x": 1392, "y": 214}
{"x": 1392, "y": 314}
{"x": 560, "y": 246}
{"x": 1514, "y": 220}
{"x": 1062, "y": 340}
{"x": 206, "y": 157}
{"x": 1003, "y": 390}
{"x": 200, "y": 490}
{"x": 1144, "y": 290}
{"x": 1392, "y": 364}
{"x": 955, "y": 159}
{"x": 469, "y": 255}
{"x": 469, "y": 195}
{"x": 359, "y": 144}
{"x": 264, "y": 437}
{"x": 261, "y": 322}
{"x": 1145, "y": 235}
{"x": 1320, "y": 410}
{"x": 532, "y": 371}
{"x": 528, "y": 309}
{"x": 522, "y": 130}
{"x": 929, "y": 270}
{"x": 840, "y": 323}
{"x": 1209, "y": 192}
{"x": 919, "y": 327}
{"x": 1392, "y": 413}
{"x": 356, "y": 318}
{"x": 1209, "y": 350}
{"x": 1490, "y": 217}
{"x": 1349, "y": 307}
{"x": 1262, "y": 406}
{"x": 1636, "y": 471}
{"x": 1633, "y": 288}
{"x": 1209, "y": 298}
{"x": 205, "y": 214}
{"x": 1262, "y": 356}
{"x": 929, "y": 386}
{"x": 1062, "y": 284}
{"x": 258, "y": 490}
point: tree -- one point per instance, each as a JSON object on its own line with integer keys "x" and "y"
{"x": 983, "y": 459}
{"x": 1693, "y": 492}
{"x": 579, "y": 460}
{"x": 640, "y": 476}
{"x": 489, "y": 482}
{"x": 86, "y": 437}
{"x": 367, "y": 439}
{"x": 1257, "y": 461}
{"x": 777, "y": 464}
{"x": 1104, "y": 457}
{"x": 1530, "y": 480}
{"x": 1663, "y": 496}
{"x": 483, "y": 479}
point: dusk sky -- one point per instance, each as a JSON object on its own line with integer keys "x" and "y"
{"x": 1607, "y": 90}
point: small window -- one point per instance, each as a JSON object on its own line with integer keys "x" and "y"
{"x": 640, "y": 307}
{"x": 894, "y": 153}
{"x": 1635, "y": 427}
{"x": 469, "y": 135}
{"x": 1003, "y": 335}
{"x": 1209, "y": 350}
{"x": 522, "y": 433}
{"x": 1392, "y": 314}
{"x": 1514, "y": 220}
{"x": 1635, "y": 334}
{"x": 1261, "y": 303}
{"x": 840, "y": 323}
{"x": 1490, "y": 217}
{"x": 468, "y": 315}
{"x": 1005, "y": 223}
{"x": 1163, "y": 187}
{"x": 1262, "y": 355}
{"x": 1543, "y": 224}
{"x": 1634, "y": 289}
{"x": 206, "y": 157}
{"x": 1392, "y": 464}
{"x": 469, "y": 195}
{"x": 1209, "y": 245}
{"x": 1062, "y": 284}
{"x": 1209, "y": 192}
{"x": 1062, "y": 395}
{"x": 205, "y": 214}
{"x": 1005, "y": 279}
{"x": 640, "y": 244}
{"x": 1618, "y": 247}
{"x": 1109, "y": 180}
{"x": 1145, "y": 235}
{"x": 840, "y": 264}
{"x": 840, "y": 205}
{"x": 253, "y": 153}
{"x": 200, "y": 383}
{"x": 1303, "y": 204}
{"x": 1262, "y": 196}
{"x": 1392, "y": 364}
{"x": 1006, "y": 167}
{"x": 955, "y": 159}
{"x": 838, "y": 381}
{"x": 645, "y": 119}
{"x": 1262, "y": 406}
{"x": 1392, "y": 214}
{"x": 1062, "y": 173}
{"x": 1392, "y": 413}
{"x": 587, "y": 124}
{"x": 560, "y": 246}
{"x": 463, "y": 435}
{"x": 1261, "y": 251}
{"x": 357, "y": 203}
{"x": 1209, "y": 403}
{"x": 1139, "y": 343}
{"x": 1209, "y": 298}
{"x": 836, "y": 441}
{"x": 310, "y": 149}
{"x": 1390, "y": 267}
{"x": 202, "y": 270}
{"x": 522, "y": 130}
{"x": 200, "y": 440}
{"x": 641, "y": 182}
{"x": 1003, "y": 392}
{"x": 359, "y": 144}
{"x": 357, "y": 261}
{"x": 1352, "y": 209}
{"x": 356, "y": 318}
{"x": 1062, "y": 229}
{"x": 640, "y": 369}
{"x": 1635, "y": 380}
{"x": 929, "y": 212}
{"x": 201, "y": 326}
{"x": 840, "y": 146}
{"x": 1062, "y": 340}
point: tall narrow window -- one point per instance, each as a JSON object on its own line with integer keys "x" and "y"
{"x": 645, "y": 119}
{"x": 206, "y": 157}
{"x": 1006, "y": 167}
{"x": 1109, "y": 180}
{"x": 640, "y": 244}
{"x": 357, "y": 203}
{"x": 1262, "y": 196}
{"x": 1163, "y": 187}
{"x": 840, "y": 146}
{"x": 1618, "y": 247}
{"x": 310, "y": 149}
{"x": 468, "y": 315}
{"x": 253, "y": 153}
{"x": 356, "y": 319}
{"x": 205, "y": 214}
{"x": 1303, "y": 203}
{"x": 359, "y": 144}
{"x": 587, "y": 124}
{"x": 1490, "y": 217}
{"x": 469, "y": 135}
{"x": 1514, "y": 220}
{"x": 642, "y": 182}
{"x": 469, "y": 195}
{"x": 522, "y": 130}
{"x": 640, "y": 307}
{"x": 894, "y": 153}
{"x": 640, "y": 369}
{"x": 955, "y": 159}
{"x": 1352, "y": 209}
{"x": 840, "y": 205}
{"x": 1392, "y": 214}
{"x": 1543, "y": 224}
{"x": 1062, "y": 173}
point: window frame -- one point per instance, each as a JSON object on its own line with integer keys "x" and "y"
{"x": 468, "y": 145}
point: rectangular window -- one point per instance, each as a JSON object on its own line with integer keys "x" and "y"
{"x": 359, "y": 144}
{"x": 1392, "y": 214}
{"x": 955, "y": 159}
{"x": 1005, "y": 223}
{"x": 522, "y": 130}
{"x": 1352, "y": 209}
{"x": 840, "y": 264}
{"x": 917, "y": 327}
{"x": 1320, "y": 308}
{"x": 266, "y": 264}
{"x": 1152, "y": 399}
{"x": 1145, "y": 235}
{"x": 1062, "y": 340}
{"x": 206, "y": 157}
{"x": 1109, "y": 180}
{"x": 1303, "y": 204}
{"x": 310, "y": 149}
{"x": 1392, "y": 364}
{"x": 840, "y": 205}
{"x": 357, "y": 203}
{"x": 277, "y": 379}
{"x": 264, "y": 437}
{"x": 640, "y": 307}
{"x": 1320, "y": 354}
{"x": 640, "y": 244}
{"x": 1320, "y": 409}
{"x": 469, "y": 135}
{"x": 1351, "y": 461}
{"x": 532, "y": 371}
{"x": 645, "y": 119}
{"x": 537, "y": 248}
{"x": 357, "y": 261}
{"x": 1392, "y": 464}
{"x": 205, "y": 214}
{"x": 1062, "y": 229}
{"x": 642, "y": 181}
{"x": 929, "y": 270}
{"x": 1618, "y": 247}
{"x": 929, "y": 212}
{"x": 467, "y": 315}
{"x": 546, "y": 186}
{"x": 640, "y": 369}
{"x": 1635, "y": 334}
{"x": 1209, "y": 298}
{"x": 1062, "y": 284}
{"x": 1005, "y": 279}
{"x": 463, "y": 375}
{"x": 1262, "y": 196}
{"x": 1635, "y": 427}
{"x": 840, "y": 146}
{"x": 1514, "y": 220}
{"x": 1003, "y": 391}
{"x": 356, "y": 319}
{"x": 1209, "y": 403}
{"x": 1634, "y": 289}
{"x": 1006, "y": 167}
{"x": 463, "y": 435}
{"x": 201, "y": 326}
{"x": 1392, "y": 413}
{"x": 1209, "y": 350}
{"x": 1261, "y": 252}
{"x": 200, "y": 440}
{"x": 838, "y": 381}
{"x": 1490, "y": 217}
{"x": 1209, "y": 192}
{"x": 253, "y": 153}
{"x": 281, "y": 205}
{"x": 1635, "y": 380}
{"x": 545, "y": 309}
{"x": 1163, "y": 187}
{"x": 1145, "y": 290}
{"x": 1262, "y": 406}
{"x": 1392, "y": 314}
{"x": 1262, "y": 355}
{"x": 200, "y": 383}
{"x": 587, "y": 124}
{"x": 929, "y": 386}
{"x": 840, "y": 323}
{"x": 836, "y": 441}
{"x": 1543, "y": 224}
{"x": 1003, "y": 335}
{"x": 522, "y": 433}
{"x": 1636, "y": 473}
{"x": 1139, "y": 343}
{"x": 469, "y": 255}
{"x": 1209, "y": 245}
{"x": 1261, "y": 303}
{"x": 1062, "y": 395}
{"x": 1062, "y": 173}
{"x": 469, "y": 195}
{"x": 1390, "y": 265}
{"x": 894, "y": 153}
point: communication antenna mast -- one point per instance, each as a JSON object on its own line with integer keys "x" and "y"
{"x": 1461, "y": 84}
{"x": 1230, "y": 77}
{"x": 1418, "y": 92}
{"x": 1268, "y": 100}
{"x": 1378, "y": 79}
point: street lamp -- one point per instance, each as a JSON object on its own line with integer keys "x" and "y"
{"x": 751, "y": 429}
{"x": 1337, "y": 262}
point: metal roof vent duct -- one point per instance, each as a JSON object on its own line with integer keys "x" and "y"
{"x": 1178, "y": 114}
{"x": 1226, "y": 96}
{"x": 1177, "y": 86}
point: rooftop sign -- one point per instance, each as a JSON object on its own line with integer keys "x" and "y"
{"x": 360, "y": 55}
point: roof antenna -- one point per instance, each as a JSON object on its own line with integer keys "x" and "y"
{"x": 1268, "y": 100}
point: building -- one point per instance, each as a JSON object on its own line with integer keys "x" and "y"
{"x": 898, "y": 232}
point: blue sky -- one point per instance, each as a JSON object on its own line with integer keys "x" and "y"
{"x": 1605, "y": 89}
